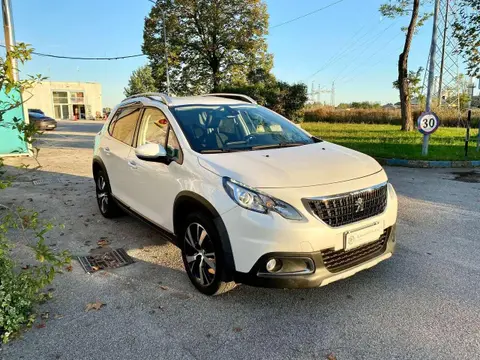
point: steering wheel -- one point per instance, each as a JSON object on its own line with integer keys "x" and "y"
{"x": 199, "y": 133}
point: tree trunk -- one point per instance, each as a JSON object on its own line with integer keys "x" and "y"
{"x": 403, "y": 85}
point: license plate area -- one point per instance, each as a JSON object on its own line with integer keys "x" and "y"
{"x": 367, "y": 234}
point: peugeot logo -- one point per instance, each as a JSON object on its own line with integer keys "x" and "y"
{"x": 359, "y": 205}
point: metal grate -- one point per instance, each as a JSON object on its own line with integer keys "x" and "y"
{"x": 336, "y": 261}
{"x": 349, "y": 208}
{"x": 109, "y": 260}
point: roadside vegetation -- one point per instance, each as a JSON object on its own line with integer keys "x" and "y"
{"x": 449, "y": 117}
{"x": 385, "y": 141}
{"x": 21, "y": 285}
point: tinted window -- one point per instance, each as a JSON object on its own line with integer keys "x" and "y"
{"x": 218, "y": 128}
{"x": 123, "y": 124}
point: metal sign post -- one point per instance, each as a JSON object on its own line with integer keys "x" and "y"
{"x": 431, "y": 79}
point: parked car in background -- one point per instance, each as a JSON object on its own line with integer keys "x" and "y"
{"x": 247, "y": 196}
{"x": 41, "y": 121}
{"x": 38, "y": 111}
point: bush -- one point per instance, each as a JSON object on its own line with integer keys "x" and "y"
{"x": 20, "y": 288}
{"x": 448, "y": 117}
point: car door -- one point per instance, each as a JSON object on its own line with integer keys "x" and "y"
{"x": 115, "y": 149}
{"x": 157, "y": 183}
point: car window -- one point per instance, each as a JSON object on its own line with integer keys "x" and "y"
{"x": 154, "y": 127}
{"x": 173, "y": 147}
{"x": 223, "y": 128}
{"x": 122, "y": 126}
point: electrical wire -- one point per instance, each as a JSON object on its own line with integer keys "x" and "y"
{"x": 140, "y": 55}
{"x": 305, "y": 15}
{"x": 84, "y": 58}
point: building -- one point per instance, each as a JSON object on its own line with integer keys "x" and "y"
{"x": 67, "y": 100}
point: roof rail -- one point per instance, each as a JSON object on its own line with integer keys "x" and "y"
{"x": 240, "y": 97}
{"x": 164, "y": 98}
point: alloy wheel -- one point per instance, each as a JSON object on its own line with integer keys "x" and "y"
{"x": 102, "y": 194}
{"x": 200, "y": 254}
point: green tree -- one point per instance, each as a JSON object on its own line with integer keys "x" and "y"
{"x": 402, "y": 8}
{"x": 414, "y": 79}
{"x": 467, "y": 32}
{"x": 210, "y": 42}
{"x": 141, "y": 81}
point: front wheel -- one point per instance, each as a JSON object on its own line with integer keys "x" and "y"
{"x": 202, "y": 255}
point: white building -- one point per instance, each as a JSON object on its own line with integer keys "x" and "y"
{"x": 67, "y": 100}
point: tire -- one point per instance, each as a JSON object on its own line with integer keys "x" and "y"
{"x": 202, "y": 255}
{"x": 106, "y": 203}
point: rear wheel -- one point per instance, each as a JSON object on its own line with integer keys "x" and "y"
{"x": 203, "y": 255}
{"x": 106, "y": 204}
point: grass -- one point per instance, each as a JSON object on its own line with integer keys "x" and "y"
{"x": 387, "y": 141}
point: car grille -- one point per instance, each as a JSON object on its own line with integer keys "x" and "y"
{"x": 336, "y": 261}
{"x": 349, "y": 208}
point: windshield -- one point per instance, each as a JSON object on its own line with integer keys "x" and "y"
{"x": 224, "y": 128}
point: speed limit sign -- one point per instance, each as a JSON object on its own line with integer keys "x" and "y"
{"x": 428, "y": 123}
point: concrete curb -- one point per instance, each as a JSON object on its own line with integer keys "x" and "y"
{"x": 429, "y": 164}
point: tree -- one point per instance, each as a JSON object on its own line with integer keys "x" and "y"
{"x": 414, "y": 79}
{"x": 141, "y": 81}
{"x": 210, "y": 42}
{"x": 278, "y": 96}
{"x": 467, "y": 32}
{"x": 398, "y": 8}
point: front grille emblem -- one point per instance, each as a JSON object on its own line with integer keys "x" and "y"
{"x": 359, "y": 205}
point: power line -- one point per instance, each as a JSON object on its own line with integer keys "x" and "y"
{"x": 305, "y": 15}
{"x": 140, "y": 55}
{"x": 83, "y": 58}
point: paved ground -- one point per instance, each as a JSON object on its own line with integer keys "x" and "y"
{"x": 424, "y": 303}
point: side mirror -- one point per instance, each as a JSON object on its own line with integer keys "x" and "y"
{"x": 152, "y": 152}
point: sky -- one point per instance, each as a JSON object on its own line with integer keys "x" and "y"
{"x": 348, "y": 43}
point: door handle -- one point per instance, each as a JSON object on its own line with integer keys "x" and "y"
{"x": 132, "y": 164}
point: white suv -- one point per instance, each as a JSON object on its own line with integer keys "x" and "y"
{"x": 248, "y": 196}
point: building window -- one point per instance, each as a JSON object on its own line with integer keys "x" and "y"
{"x": 77, "y": 97}
{"x": 60, "y": 97}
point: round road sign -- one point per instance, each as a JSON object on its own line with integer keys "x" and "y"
{"x": 428, "y": 123}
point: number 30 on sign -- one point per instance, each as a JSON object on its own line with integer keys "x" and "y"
{"x": 428, "y": 123}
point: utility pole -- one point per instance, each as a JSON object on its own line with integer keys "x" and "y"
{"x": 9, "y": 36}
{"x": 165, "y": 44}
{"x": 431, "y": 73}
{"x": 333, "y": 94}
{"x": 442, "y": 61}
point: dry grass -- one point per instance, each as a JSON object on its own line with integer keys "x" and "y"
{"x": 448, "y": 117}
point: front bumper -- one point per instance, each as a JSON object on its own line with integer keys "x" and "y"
{"x": 45, "y": 125}
{"x": 320, "y": 275}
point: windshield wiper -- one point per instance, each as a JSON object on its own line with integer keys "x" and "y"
{"x": 279, "y": 145}
{"x": 216, "y": 151}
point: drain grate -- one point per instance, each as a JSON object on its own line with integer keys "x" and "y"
{"x": 109, "y": 260}
{"x": 46, "y": 181}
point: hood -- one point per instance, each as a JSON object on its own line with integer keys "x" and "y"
{"x": 315, "y": 164}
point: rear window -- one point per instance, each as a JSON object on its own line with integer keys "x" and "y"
{"x": 122, "y": 126}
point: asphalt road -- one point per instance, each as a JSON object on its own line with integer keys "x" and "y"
{"x": 423, "y": 303}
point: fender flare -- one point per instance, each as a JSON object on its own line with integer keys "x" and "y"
{"x": 217, "y": 220}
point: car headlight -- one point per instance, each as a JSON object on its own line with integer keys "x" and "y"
{"x": 255, "y": 200}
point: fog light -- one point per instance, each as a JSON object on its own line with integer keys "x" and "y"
{"x": 273, "y": 265}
